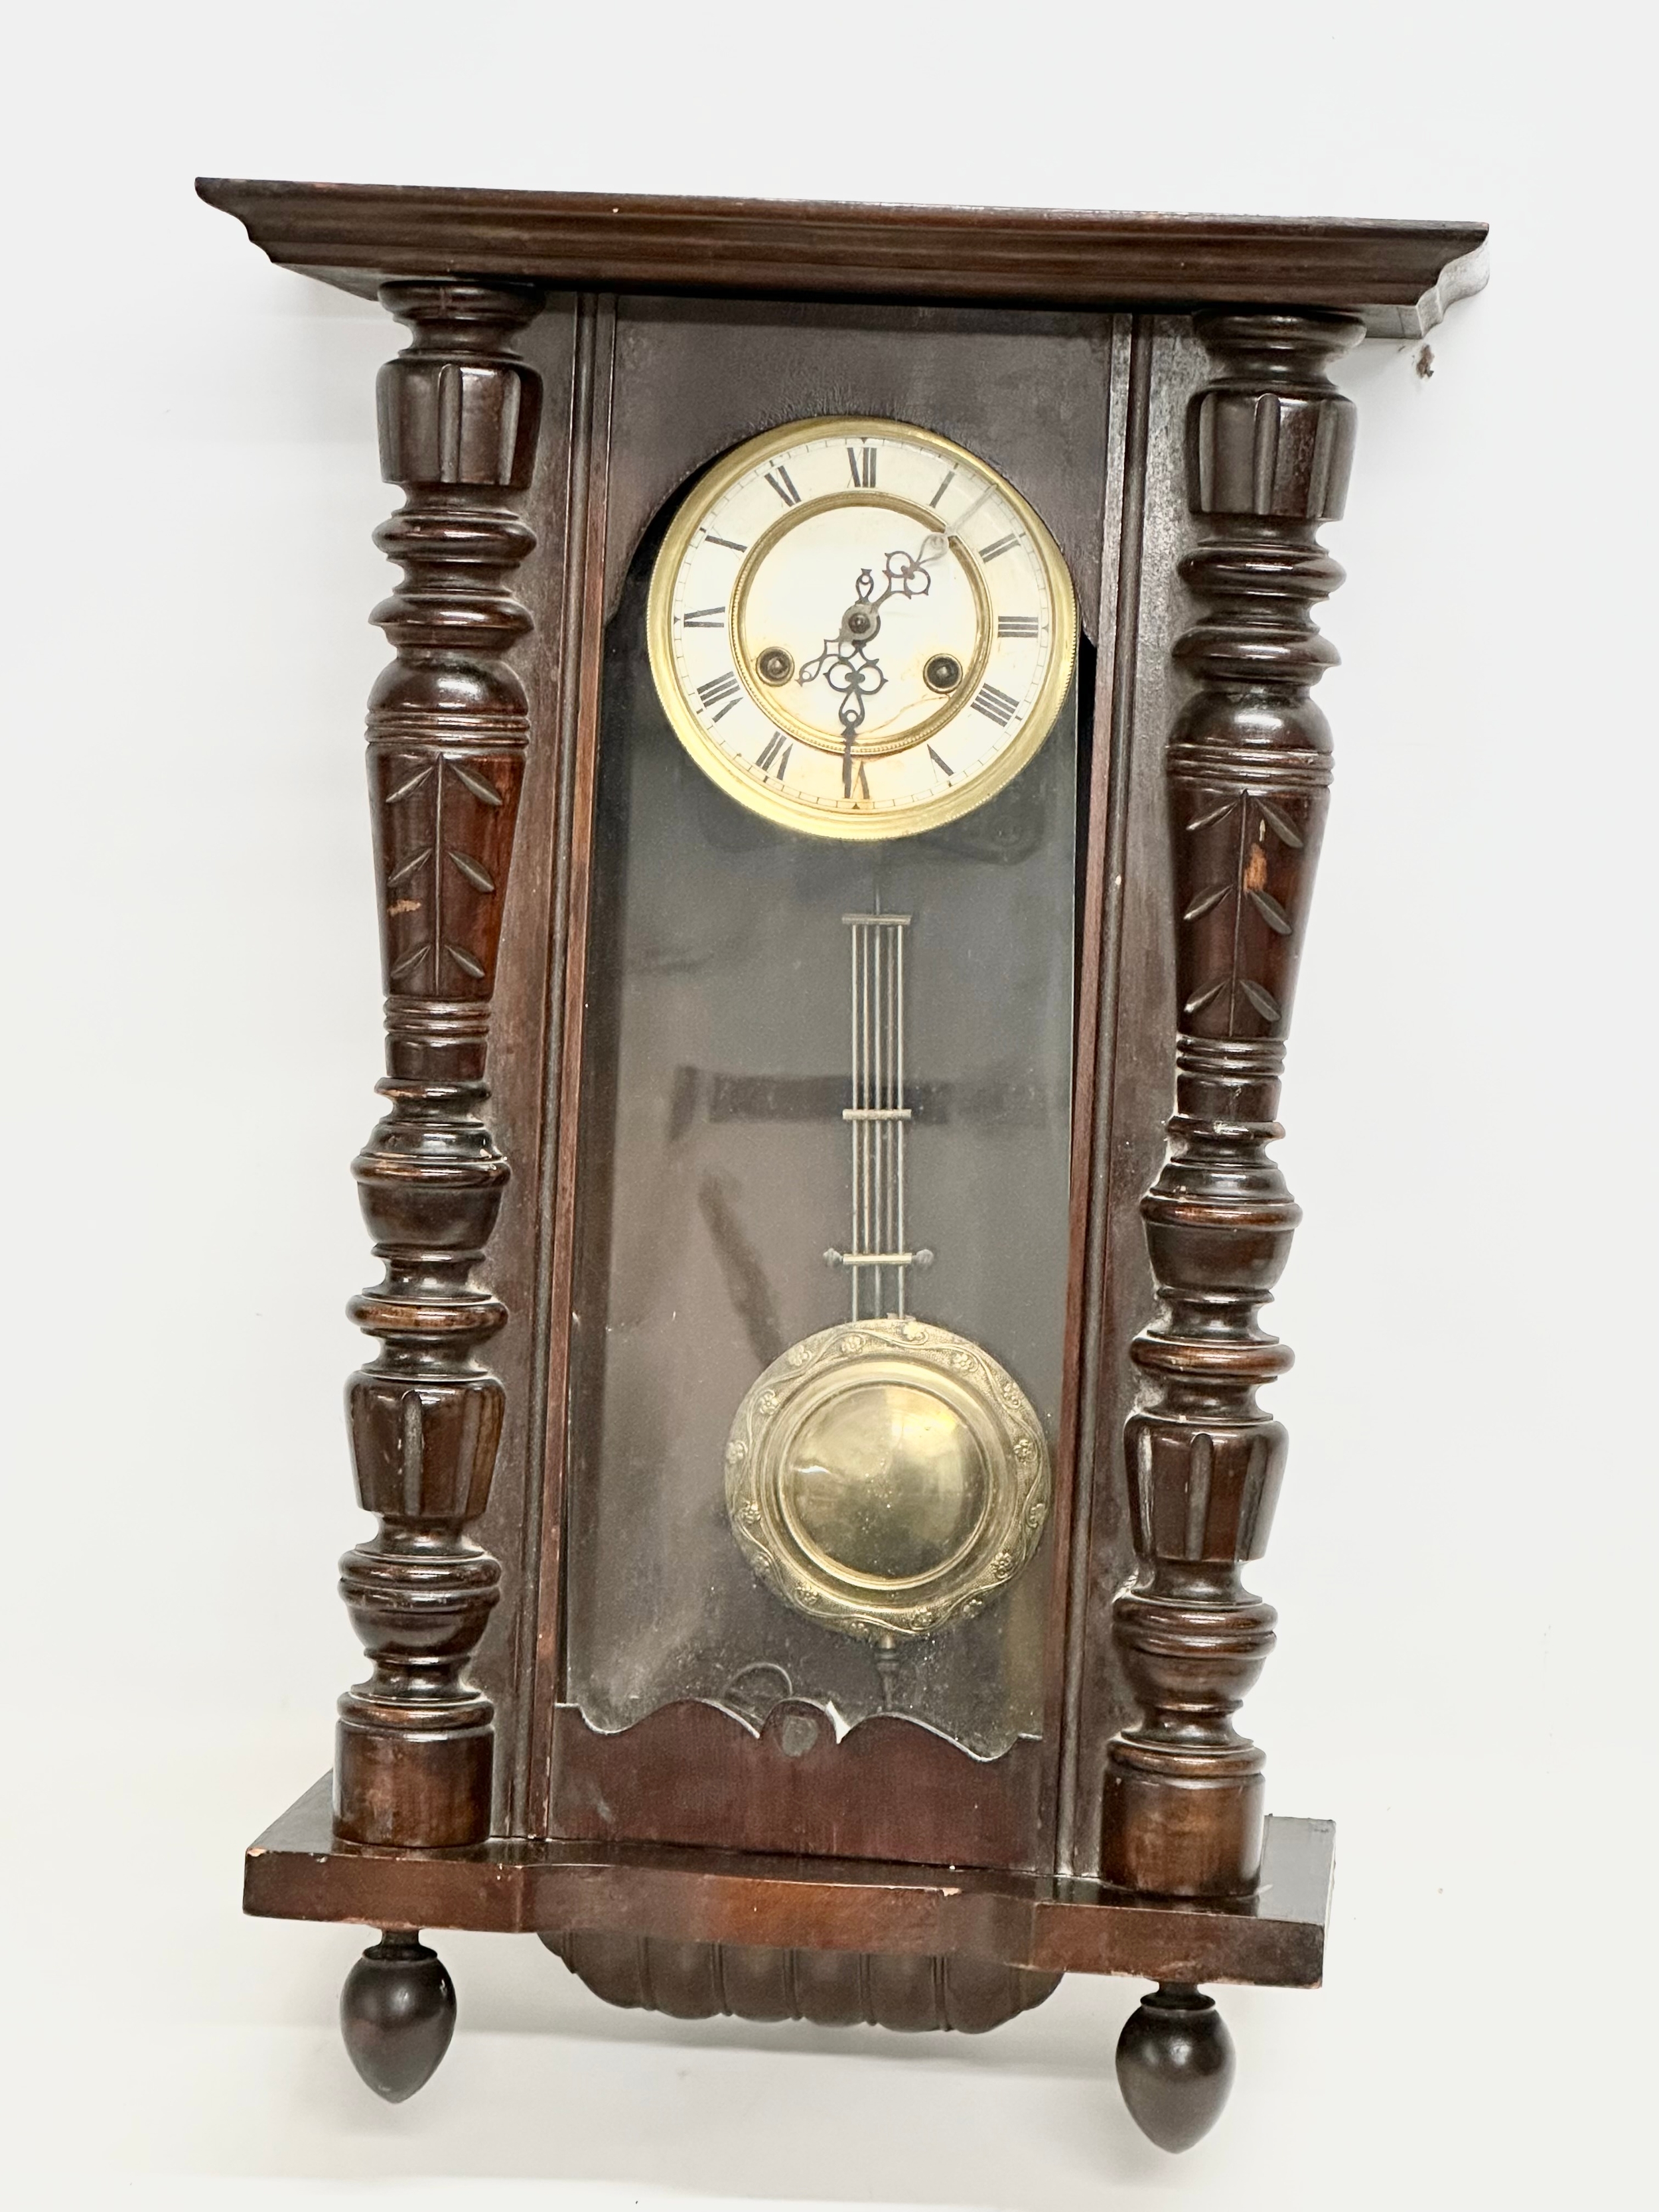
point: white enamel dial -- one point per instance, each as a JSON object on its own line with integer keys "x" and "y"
{"x": 858, "y": 629}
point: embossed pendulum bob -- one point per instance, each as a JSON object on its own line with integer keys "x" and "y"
{"x": 886, "y": 1476}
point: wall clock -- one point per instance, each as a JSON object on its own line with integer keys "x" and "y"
{"x": 849, "y": 766}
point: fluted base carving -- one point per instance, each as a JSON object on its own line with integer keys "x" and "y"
{"x": 913, "y": 1993}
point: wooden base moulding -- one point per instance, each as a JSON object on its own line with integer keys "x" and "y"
{"x": 299, "y": 1869}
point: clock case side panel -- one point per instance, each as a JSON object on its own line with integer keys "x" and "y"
{"x": 570, "y": 345}
{"x": 636, "y": 456}
{"x": 1132, "y": 1079}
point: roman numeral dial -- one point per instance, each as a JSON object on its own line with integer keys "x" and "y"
{"x": 858, "y": 629}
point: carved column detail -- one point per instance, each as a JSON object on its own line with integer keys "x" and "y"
{"x": 1269, "y": 444}
{"x": 449, "y": 727}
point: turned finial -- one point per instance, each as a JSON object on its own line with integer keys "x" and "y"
{"x": 1174, "y": 2065}
{"x": 397, "y": 2014}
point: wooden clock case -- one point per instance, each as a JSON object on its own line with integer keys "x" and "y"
{"x": 1158, "y": 388}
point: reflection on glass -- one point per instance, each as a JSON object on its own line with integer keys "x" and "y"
{"x": 718, "y": 1219}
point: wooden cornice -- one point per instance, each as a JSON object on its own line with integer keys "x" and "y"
{"x": 1400, "y": 276}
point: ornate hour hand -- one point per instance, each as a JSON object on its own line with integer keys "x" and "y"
{"x": 848, "y": 670}
{"x": 846, "y": 662}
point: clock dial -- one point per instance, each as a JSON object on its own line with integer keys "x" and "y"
{"x": 860, "y": 629}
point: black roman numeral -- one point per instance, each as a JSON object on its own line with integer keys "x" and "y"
{"x": 854, "y": 783}
{"x": 943, "y": 766}
{"x": 997, "y": 704}
{"x": 776, "y": 759}
{"x": 863, "y": 465}
{"x": 1016, "y": 625}
{"x": 948, "y": 479}
{"x": 990, "y": 552}
{"x": 730, "y": 543}
{"x": 726, "y": 688}
{"x": 781, "y": 484}
{"x": 705, "y": 619}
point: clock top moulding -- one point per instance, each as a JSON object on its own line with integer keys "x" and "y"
{"x": 1202, "y": 1888}
{"x": 1398, "y": 277}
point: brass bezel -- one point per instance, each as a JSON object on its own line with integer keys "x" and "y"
{"x": 988, "y": 1401}
{"x": 776, "y": 807}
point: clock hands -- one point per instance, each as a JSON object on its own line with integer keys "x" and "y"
{"x": 846, "y": 662}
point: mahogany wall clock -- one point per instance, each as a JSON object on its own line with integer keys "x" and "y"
{"x": 849, "y": 766}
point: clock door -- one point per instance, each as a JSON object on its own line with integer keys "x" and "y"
{"x": 814, "y": 1474}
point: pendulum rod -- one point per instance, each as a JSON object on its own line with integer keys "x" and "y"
{"x": 878, "y": 1257}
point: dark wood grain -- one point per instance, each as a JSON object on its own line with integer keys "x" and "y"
{"x": 1248, "y": 767}
{"x": 889, "y": 1788}
{"x": 448, "y": 729}
{"x": 1401, "y": 277}
{"x": 300, "y": 1870}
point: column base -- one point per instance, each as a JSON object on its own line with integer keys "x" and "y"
{"x": 422, "y": 1791}
{"x": 1171, "y": 1829}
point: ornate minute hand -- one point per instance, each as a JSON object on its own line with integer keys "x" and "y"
{"x": 937, "y": 542}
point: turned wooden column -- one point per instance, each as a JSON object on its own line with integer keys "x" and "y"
{"x": 447, "y": 731}
{"x": 1269, "y": 444}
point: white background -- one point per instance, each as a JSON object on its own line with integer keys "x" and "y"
{"x": 1464, "y": 1555}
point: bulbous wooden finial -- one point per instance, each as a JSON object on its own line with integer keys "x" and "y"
{"x": 396, "y": 2015}
{"x": 1174, "y": 2065}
